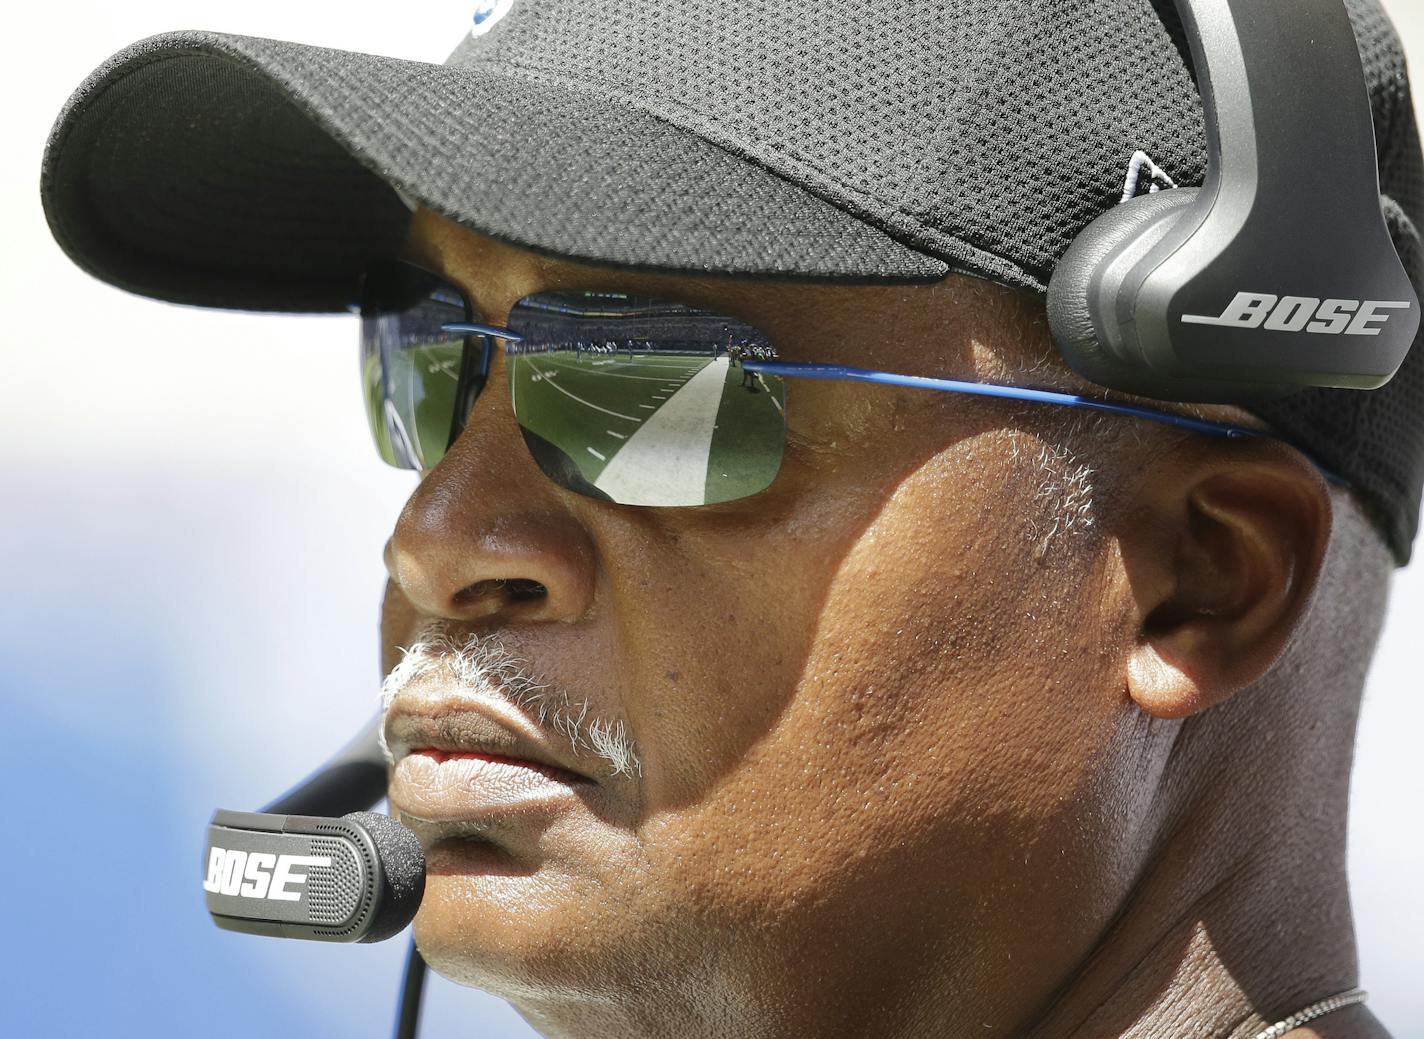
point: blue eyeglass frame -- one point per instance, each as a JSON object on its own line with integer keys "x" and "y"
{"x": 845, "y": 373}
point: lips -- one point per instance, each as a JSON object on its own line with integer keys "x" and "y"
{"x": 467, "y": 764}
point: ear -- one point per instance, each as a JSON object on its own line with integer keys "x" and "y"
{"x": 1222, "y": 552}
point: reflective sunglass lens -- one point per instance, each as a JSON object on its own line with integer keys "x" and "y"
{"x": 410, "y": 365}
{"x": 642, "y": 402}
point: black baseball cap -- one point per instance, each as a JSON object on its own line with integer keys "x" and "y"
{"x": 829, "y": 139}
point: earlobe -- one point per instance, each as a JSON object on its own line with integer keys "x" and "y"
{"x": 1222, "y": 569}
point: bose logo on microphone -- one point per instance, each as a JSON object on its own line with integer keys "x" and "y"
{"x": 1331, "y": 317}
{"x": 259, "y": 874}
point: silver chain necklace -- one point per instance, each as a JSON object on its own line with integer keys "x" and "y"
{"x": 1326, "y": 1006}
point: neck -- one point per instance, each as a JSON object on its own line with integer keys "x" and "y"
{"x": 1193, "y": 957}
{"x": 1240, "y": 915}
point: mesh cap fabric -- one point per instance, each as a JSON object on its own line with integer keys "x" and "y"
{"x": 901, "y": 139}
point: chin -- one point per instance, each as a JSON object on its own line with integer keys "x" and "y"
{"x": 523, "y": 936}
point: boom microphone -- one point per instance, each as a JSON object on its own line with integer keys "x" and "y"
{"x": 291, "y": 871}
{"x": 358, "y": 878}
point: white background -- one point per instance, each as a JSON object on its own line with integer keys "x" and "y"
{"x": 190, "y": 547}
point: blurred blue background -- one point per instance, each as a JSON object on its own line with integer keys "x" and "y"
{"x": 190, "y": 545}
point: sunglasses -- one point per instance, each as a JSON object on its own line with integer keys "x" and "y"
{"x": 627, "y": 399}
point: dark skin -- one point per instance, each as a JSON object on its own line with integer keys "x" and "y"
{"x": 909, "y": 769}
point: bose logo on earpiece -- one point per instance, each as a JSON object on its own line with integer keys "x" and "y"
{"x": 1331, "y": 317}
{"x": 258, "y": 875}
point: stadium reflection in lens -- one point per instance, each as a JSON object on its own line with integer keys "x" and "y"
{"x": 410, "y": 365}
{"x": 644, "y": 402}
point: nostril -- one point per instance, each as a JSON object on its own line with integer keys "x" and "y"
{"x": 498, "y": 592}
{"x": 521, "y": 590}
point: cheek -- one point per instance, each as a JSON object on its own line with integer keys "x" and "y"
{"x": 399, "y": 621}
{"x": 716, "y": 621}
{"x": 952, "y": 702}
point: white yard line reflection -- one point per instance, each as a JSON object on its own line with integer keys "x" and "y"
{"x": 595, "y": 407}
{"x": 615, "y": 375}
{"x": 666, "y": 460}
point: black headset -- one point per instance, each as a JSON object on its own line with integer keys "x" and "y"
{"x": 1278, "y": 274}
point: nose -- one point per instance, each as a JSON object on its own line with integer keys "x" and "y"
{"x": 486, "y": 536}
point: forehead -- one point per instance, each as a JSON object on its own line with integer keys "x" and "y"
{"x": 957, "y": 324}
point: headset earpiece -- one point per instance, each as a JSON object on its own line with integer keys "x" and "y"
{"x": 1085, "y": 294}
{"x": 1075, "y": 315}
{"x": 1279, "y": 274}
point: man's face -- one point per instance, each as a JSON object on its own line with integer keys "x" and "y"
{"x": 873, "y": 707}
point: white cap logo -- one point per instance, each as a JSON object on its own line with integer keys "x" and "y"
{"x": 488, "y": 13}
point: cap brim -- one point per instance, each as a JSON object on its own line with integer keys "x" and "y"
{"x": 257, "y": 174}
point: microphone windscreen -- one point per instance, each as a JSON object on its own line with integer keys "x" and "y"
{"x": 358, "y": 878}
{"x": 403, "y": 869}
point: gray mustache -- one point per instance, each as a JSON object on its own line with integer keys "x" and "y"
{"x": 483, "y": 665}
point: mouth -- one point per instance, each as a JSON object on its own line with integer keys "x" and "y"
{"x": 469, "y": 764}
